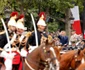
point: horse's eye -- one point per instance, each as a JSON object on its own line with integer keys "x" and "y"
{"x": 84, "y": 53}
{"x": 48, "y": 51}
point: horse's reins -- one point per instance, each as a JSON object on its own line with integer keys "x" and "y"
{"x": 28, "y": 65}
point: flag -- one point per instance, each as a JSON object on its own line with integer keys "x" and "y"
{"x": 76, "y": 24}
{"x": 84, "y": 34}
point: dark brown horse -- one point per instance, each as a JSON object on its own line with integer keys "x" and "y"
{"x": 71, "y": 60}
{"x": 45, "y": 53}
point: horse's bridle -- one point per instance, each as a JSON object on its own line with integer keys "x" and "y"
{"x": 52, "y": 59}
{"x": 29, "y": 64}
{"x": 45, "y": 51}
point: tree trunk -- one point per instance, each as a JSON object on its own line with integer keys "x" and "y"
{"x": 68, "y": 23}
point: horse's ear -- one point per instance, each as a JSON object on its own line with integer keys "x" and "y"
{"x": 79, "y": 51}
{"x": 46, "y": 42}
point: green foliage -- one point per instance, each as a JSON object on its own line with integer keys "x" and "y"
{"x": 63, "y": 5}
{"x": 53, "y": 8}
{"x": 52, "y": 27}
{"x": 2, "y": 5}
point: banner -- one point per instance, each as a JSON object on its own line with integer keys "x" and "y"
{"x": 76, "y": 24}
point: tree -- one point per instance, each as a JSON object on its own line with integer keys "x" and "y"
{"x": 55, "y": 9}
{"x": 63, "y": 6}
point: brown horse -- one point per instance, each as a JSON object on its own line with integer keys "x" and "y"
{"x": 71, "y": 60}
{"x": 81, "y": 67}
{"x": 45, "y": 53}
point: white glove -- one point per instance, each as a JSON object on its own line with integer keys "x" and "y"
{"x": 7, "y": 55}
{"x": 11, "y": 55}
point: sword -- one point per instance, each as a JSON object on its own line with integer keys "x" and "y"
{"x": 35, "y": 29}
{"x": 7, "y": 35}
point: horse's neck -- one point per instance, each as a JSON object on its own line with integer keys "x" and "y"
{"x": 57, "y": 53}
{"x": 34, "y": 56}
{"x": 67, "y": 56}
{"x": 66, "y": 60}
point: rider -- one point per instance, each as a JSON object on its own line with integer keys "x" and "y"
{"x": 21, "y": 35}
{"x": 41, "y": 25}
{"x": 11, "y": 30}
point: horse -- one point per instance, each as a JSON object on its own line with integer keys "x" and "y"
{"x": 44, "y": 54}
{"x": 71, "y": 59}
{"x": 81, "y": 67}
{"x": 57, "y": 51}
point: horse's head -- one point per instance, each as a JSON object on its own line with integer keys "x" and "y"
{"x": 47, "y": 53}
{"x": 47, "y": 40}
{"x": 79, "y": 58}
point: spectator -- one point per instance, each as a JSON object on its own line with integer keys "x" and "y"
{"x": 73, "y": 46}
{"x": 74, "y": 37}
{"x": 63, "y": 38}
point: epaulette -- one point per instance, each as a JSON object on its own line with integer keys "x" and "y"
{"x": 2, "y": 32}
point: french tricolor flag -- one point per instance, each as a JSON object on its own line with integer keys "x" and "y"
{"x": 76, "y": 24}
{"x": 84, "y": 34}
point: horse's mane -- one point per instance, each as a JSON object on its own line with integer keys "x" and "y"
{"x": 57, "y": 50}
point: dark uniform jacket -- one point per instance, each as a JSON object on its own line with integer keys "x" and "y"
{"x": 3, "y": 40}
{"x": 32, "y": 41}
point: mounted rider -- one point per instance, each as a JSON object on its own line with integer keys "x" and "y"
{"x": 41, "y": 25}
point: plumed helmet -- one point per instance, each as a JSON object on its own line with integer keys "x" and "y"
{"x": 14, "y": 13}
{"x": 12, "y": 22}
{"x": 21, "y": 26}
{"x": 41, "y": 22}
{"x": 21, "y": 16}
{"x": 42, "y": 14}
